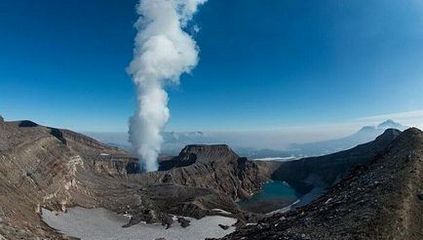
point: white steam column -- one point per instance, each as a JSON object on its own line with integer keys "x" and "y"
{"x": 163, "y": 51}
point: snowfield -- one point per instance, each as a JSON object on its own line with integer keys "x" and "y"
{"x": 99, "y": 223}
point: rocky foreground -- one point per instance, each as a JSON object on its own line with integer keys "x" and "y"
{"x": 56, "y": 169}
{"x": 380, "y": 199}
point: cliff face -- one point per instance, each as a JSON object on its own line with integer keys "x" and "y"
{"x": 45, "y": 167}
{"x": 307, "y": 173}
{"x": 381, "y": 199}
{"x": 211, "y": 166}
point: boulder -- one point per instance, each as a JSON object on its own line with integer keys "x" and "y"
{"x": 184, "y": 222}
{"x": 224, "y": 227}
{"x": 167, "y": 221}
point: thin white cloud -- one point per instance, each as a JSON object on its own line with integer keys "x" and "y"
{"x": 412, "y": 118}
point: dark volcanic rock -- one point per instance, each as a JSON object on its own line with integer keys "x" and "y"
{"x": 304, "y": 174}
{"x": 58, "y": 134}
{"x": 375, "y": 201}
{"x": 224, "y": 227}
{"x": 27, "y": 123}
{"x": 184, "y": 222}
{"x": 133, "y": 167}
{"x": 266, "y": 206}
{"x": 184, "y": 159}
{"x": 167, "y": 221}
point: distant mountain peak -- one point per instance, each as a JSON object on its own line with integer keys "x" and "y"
{"x": 367, "y": 128}
{"x": 391, "y": 124}
{"x": 383, "y": 126}
{"x": 365, "y": 134}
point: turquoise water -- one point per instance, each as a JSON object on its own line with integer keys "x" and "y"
{"x": 274, "y": 195}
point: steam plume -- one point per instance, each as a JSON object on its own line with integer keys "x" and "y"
{"x": 163, "y": 51}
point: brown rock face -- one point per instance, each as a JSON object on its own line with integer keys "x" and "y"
{"x": 214, "y": 167}
{"x": 43, "y": 167}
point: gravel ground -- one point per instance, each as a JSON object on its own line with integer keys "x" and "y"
{"x": 90, "y": 224}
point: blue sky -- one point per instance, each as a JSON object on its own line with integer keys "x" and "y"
{"x": 263, "y": 63}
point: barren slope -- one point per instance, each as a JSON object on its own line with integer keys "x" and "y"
{"x": 377, "y": 201}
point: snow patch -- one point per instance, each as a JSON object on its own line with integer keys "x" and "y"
{"x": 99, "y": 223}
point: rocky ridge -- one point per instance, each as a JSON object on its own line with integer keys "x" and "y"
{"x": 377, "y": 200}
{"x": 308, "y": 173}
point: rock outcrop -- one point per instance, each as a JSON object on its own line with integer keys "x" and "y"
{"x": 214, "y": 167}
{"x": 378, "y": 200}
